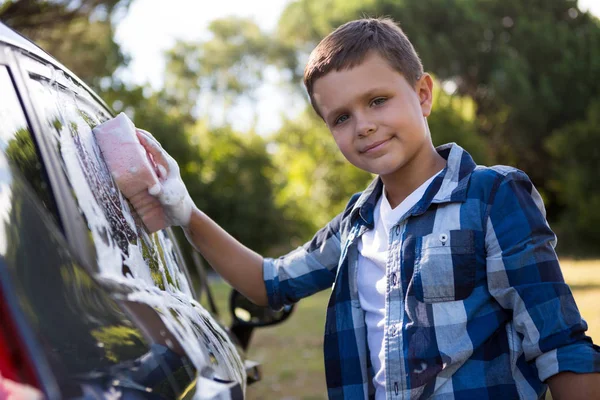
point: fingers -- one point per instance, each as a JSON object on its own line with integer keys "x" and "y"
{"x": 149, "y": 136}
{"x": 162, "y": 172}
{"x": 146, "y": 205}
{"x": 154, "y": 148}
{"x": 142, "y": 202}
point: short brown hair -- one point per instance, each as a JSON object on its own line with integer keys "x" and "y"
{"x": 348, "y": 45}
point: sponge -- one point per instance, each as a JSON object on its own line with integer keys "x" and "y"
{"x": 132, "y": 168}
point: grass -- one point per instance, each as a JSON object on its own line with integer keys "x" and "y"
{"x": 584, "y": 279}
{"x": 291, "y": 353}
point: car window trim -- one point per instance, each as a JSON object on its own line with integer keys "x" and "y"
{"x": 69, "y": 218}
{"x": 73, "y": 224}
{"x": 46, "y": 377}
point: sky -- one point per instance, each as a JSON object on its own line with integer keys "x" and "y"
{"x": 150, "y": 28}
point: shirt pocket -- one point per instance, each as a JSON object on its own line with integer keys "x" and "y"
{"x": 445, "y": 266}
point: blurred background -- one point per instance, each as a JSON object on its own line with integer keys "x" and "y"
{"x": 219, "y": 84}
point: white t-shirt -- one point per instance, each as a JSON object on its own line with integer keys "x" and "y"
{"x": 372, "y": 279}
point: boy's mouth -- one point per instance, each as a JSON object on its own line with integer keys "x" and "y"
{"x": 374, "y": 146}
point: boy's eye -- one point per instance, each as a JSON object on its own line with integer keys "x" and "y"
{"x": 378, "y": 101}
{"x": 340, "y": 119}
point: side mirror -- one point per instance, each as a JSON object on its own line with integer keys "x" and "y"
{"x": 246, "y": 313}
{"x": 247, "y": 316}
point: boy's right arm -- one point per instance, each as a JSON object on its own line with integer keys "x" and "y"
{"x": 273, "y": 282}
{"x": 236, "y": 263}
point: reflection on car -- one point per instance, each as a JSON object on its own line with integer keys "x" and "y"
{"x": 92, "y": 305}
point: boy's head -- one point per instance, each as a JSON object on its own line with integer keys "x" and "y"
{"x": 367, "y": 83}
{"x": 349, "y": 45}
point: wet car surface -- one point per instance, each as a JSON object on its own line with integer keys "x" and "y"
{"x": 93, "y": 305}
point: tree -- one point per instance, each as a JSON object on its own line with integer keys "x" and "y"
{"x": 314, "y": 180}
{"x": 228, "y": 174}
{"x": 237, "y": 190}
{"x": 226, "y": 66}
{"x": 79, "y": 33}
{"x": 529, "y": 68}
{"x": 575, "y": 178}
{"x": 453, "y": 120}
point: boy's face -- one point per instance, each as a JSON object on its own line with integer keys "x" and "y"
{"x": 377, "y": 119}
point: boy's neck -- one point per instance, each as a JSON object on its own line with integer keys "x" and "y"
{"x": 405, "y": 181}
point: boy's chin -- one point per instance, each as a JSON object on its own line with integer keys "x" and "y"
{"x": 383, "y": 169}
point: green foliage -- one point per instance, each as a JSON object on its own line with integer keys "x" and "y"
{"x": 314, "y": 179}
{"x": 525, "y": 75}
{"x": 453, "y": 120}
{"x": 230, "y": 64}
{"x": 119, "y": 340}
{"x": 79, "y": 33}
{"x": 237, "y": 188}
{"x": 575, "y": 178}
{"x": 229, "y": 175}
{"x": 530, "y": 68}
{"x": 21, "y": 151}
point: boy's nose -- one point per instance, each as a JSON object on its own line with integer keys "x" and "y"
{"x": 365, "y": 127}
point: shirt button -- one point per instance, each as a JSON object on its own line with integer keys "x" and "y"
{"x": 397, "y": 230}
{"x": 443, "y": 238}
{"x": 394, "y": 279}
{"x": 421, "y": 368}
{"x": 393, "y": 330}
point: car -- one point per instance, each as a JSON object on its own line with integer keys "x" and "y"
{"x": 92, "y": 305}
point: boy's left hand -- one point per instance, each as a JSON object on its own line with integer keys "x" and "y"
{"x": 572, "y": 386}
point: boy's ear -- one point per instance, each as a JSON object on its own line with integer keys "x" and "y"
{"x": 424, "y": 89}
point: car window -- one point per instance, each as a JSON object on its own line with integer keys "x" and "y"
{"x": 146, "y": 264}
{"x": 16, "y": 141}
{"x": 79, "y": 328}
{"x": 123, "y": 247}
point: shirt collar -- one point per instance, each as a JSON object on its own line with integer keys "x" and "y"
{"x": 449, "y": 186}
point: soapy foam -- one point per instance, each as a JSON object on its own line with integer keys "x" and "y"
{"x": 106, "y": 250}
{"x": 131, "y": 166}
{"x": 155, "y": 190}
{"x": 191, "y": 324}
{"x": 174, "y": 195}
{"x": 162, "y": 170}
{"x": 5, "y": 198}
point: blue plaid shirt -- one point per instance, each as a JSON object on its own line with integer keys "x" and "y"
{"x": 476, "y": 306}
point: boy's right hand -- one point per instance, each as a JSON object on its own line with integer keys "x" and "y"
{"x": 237, "y": 264}
{"x": 172, "y": 194}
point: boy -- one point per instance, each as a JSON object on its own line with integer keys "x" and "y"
{"x": 445, "y": 280}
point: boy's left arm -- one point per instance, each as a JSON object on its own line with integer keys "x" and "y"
{"x": 524, "y": 276}
{"x": 568, "y": 385}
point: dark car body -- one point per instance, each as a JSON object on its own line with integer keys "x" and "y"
{"x": 91, "y": 305}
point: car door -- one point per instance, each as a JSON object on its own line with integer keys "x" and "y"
{"x": 143, "y": 269}
{"x": 76, "y": 340}
{"x": 142, "y": 272}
